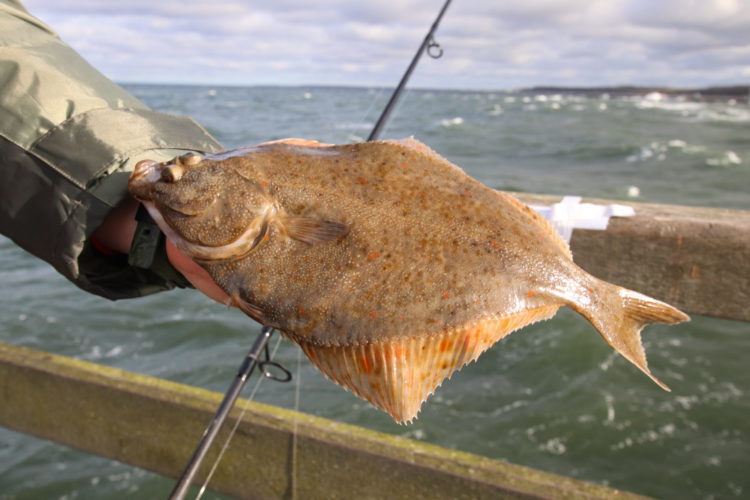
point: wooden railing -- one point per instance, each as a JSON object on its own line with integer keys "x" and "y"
{"x": 154, "y": 424}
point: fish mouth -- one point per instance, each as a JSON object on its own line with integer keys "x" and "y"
{"x": 146, "y": 171}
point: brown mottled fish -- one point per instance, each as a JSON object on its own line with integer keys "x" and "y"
{"x": 389, "y": 266}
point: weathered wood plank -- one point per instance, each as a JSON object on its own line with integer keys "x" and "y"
{"x": 154, "y": 424}
{"x": 697, "y": 259}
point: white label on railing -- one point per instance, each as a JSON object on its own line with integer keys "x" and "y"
{"x": 571, "y": 214}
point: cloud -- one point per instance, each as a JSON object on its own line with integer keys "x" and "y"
{"x": 487, "y": 44}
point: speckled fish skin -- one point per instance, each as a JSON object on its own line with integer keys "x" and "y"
{"x": 388, "y": 265}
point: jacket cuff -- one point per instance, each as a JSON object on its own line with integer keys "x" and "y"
{"x": 96, "y": 152}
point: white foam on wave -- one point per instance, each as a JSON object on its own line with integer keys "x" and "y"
{"x": 660, "y": 150}
{"x": 496, "y": 110}
{"x": 698, "y": 111}
{"x": 452, "y": 122}
{"x": 353, "y": 126}
{"x": 683, "y": 107}
{"x": 726, "y": 114}
{"x": 727, "y": 159}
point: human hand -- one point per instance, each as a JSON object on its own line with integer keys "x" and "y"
{"x": 116, "y": 234}
{"x": 196, "y": 275}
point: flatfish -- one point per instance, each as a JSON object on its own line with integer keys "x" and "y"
{"x": 388, "y": 265}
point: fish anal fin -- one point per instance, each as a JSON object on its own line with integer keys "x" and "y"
{"x": 311, "y": 230}
{"x": 398, "y": 375}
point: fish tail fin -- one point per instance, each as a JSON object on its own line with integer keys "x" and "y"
{"x": 620, "y": 314}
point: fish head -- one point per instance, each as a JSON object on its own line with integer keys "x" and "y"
{"x": 177, "y": 184}
{"x": 201, "y": 204}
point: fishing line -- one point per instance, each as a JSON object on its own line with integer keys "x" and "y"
{"x": 396, "y": 110}
{"x": 224, "y": 447}
{"x": 296, "y": 422}
{"x": 366, "y": 114}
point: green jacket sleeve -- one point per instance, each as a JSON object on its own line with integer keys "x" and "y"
{"x": 69, "y": 138}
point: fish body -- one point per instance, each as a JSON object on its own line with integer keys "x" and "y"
{"x": 388, "y": 265}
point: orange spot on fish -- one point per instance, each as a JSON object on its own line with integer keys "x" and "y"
{"x": 365, "y": 364}
{"x": 362, "y": 180}
{"x": 445, "y": 345}
{"x": 301, "y": 310}
{"x": 468, "y": 339}
{"x": 495, "y": 244}
{"x": 405, "y": 165}
{"x": 264, "y": 184}
{"x": 372, "y": 256}
{"x": 446, "y": 295}
{"x": 531, "y": 293}
{"x": 695, "y": 271}
{"x": 373, "y": 314}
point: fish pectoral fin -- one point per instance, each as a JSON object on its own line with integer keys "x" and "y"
{"x": 311, "y": 230}
{"x": 254, "y": 311}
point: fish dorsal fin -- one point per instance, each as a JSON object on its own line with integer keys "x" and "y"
{"x": 424, "y": 149}
{"x": 293, "y": 141}
{"x": 398, "y": 375}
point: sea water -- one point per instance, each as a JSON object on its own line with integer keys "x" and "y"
{"x": 553, "y": 396}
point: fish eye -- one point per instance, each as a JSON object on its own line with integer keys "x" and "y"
{"x": 172, "y": 173}
{"x": 191, "y": 158}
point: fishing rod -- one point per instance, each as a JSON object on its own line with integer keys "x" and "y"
{"x": 246, "y": 369}
{"x": 433, "y": 49}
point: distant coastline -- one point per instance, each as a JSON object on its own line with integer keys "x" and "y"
{"x": 737, "y": 92}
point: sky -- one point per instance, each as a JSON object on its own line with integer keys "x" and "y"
{"x": 487, "y": 44}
